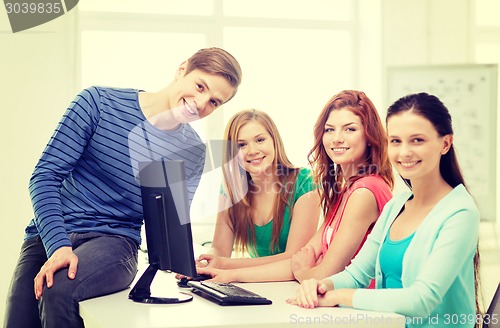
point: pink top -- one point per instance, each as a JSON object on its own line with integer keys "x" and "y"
{"x": 382, "y": 194}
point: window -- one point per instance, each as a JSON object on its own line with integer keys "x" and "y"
{"x": 292, "y": 76}
{"x": 170, "y": 7}
{"x": 295, "y": 55}
{"x": 141, "y": 60}
{"x": 329, "y": 10}
{"x": 487, "y": 13}
{"x": 487, "y": 37}
{"x": 487, "y": 31}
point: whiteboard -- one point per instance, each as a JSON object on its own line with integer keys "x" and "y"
{"x": 470, "y": 94}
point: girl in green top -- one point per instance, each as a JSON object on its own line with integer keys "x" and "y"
{"x": 268, "y": 208}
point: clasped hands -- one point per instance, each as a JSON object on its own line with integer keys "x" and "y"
{"x": 314, "y": 293}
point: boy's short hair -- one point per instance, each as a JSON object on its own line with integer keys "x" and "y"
{"x": 216, "y": 61}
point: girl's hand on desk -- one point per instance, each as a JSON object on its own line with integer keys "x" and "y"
{"x": 312, "y": 293}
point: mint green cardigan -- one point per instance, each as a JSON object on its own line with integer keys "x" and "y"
{"x": 438, "y": 271}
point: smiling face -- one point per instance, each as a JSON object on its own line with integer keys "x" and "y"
{"x": 256, "y": 148}
{"x": 415, "y": 147}
{"x": 197, "y": 94}
{"x": 344, "y": 140}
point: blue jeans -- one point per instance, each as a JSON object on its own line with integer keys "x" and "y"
{"x": 106, "y": 264}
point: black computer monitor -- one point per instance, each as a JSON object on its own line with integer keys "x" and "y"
{"x": 167, "y": 227}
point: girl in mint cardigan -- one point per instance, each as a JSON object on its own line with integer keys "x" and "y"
{"x": 422, "y": 251}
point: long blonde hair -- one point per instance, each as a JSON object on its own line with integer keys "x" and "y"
{"x": 239, "y": 188}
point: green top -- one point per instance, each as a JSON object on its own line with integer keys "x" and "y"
{"x": 303, "y": 185}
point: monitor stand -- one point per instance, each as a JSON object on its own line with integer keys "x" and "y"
{"x": 141, "y": 292}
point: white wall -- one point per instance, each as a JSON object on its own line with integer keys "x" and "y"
{"x": 424, "y": 33}
{"x": 440, "y": 32}
{"x": 36, "y": 85}
{"x": 429, "y": 32}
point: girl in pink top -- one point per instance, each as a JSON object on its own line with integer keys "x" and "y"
{"x": 351, "y": 166}
{"x": 382, "y": 194}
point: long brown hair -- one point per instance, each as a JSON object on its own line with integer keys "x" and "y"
{"x": 327, "y": 174}
{"x": 239, "y": 188}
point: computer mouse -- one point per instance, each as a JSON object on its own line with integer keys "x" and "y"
{"x": 201, "y": 277}
{"x": 184, "y": 280}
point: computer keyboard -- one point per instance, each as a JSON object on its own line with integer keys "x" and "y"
{"x": 227, "y": 294}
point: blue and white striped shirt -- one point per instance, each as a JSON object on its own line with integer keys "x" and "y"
{"x": 86, "y": 178}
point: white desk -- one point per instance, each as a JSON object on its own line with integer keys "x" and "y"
{"x": 117, "y": 310}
